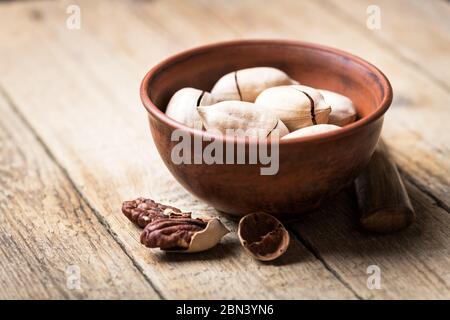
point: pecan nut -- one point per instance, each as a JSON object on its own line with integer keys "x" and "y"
{"x": 177, "y": 233}
{"x": 142, "y": 211}
{"x": 171, "y": 233}
{"x": 168, "y": 228}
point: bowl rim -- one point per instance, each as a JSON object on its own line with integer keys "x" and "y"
{"x": 352, "y": 128}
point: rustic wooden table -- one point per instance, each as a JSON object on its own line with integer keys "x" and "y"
{"x": 74, "y": 143}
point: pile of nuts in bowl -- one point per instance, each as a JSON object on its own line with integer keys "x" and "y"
{"x": 259, "y": 102}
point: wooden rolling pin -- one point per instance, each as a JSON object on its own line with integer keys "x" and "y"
{"x": 383, "y": 202}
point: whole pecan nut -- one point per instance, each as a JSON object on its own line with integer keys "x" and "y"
{"x": 142, "y": 211}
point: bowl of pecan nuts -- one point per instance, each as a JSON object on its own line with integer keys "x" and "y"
{"x": 265, "y": 125}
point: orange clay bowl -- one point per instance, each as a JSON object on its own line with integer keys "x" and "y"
{"x": 311, "y": 169}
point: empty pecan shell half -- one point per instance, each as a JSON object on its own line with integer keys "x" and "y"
{"x": 263, "y": 236}
{"x": 183, "y": 234}
{"x": 142, "y": 211}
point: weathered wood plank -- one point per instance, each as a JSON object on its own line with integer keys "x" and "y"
{"x": 50, "y": 240}
{"x": 417, "y": 30}
{"x": 414, "y": 263}
{"x": 85, "y": 107}
{"x": 129, "y": 55}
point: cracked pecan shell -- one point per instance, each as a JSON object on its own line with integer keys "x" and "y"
{"x": 263, "y": 236}
{"x": 171, "y": 233}
{"x": 142, "y": 211}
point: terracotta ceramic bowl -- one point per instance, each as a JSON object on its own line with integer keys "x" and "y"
{"x": 310, "y": 168}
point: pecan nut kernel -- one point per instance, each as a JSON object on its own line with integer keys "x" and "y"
{"x": 142, "y": 211}
{"x": 183, "y": 234}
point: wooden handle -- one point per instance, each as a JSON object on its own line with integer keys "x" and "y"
{"x": 383, "y": 202}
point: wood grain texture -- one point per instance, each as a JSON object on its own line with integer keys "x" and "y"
{"x": 79, "y": 92}
{"x": 48, "y": 234}
{"x": 109, "y": 165}
{"x": 416, "y": 30}
{"x": 383, "y": 202}
{"x": 413, "y": 263}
